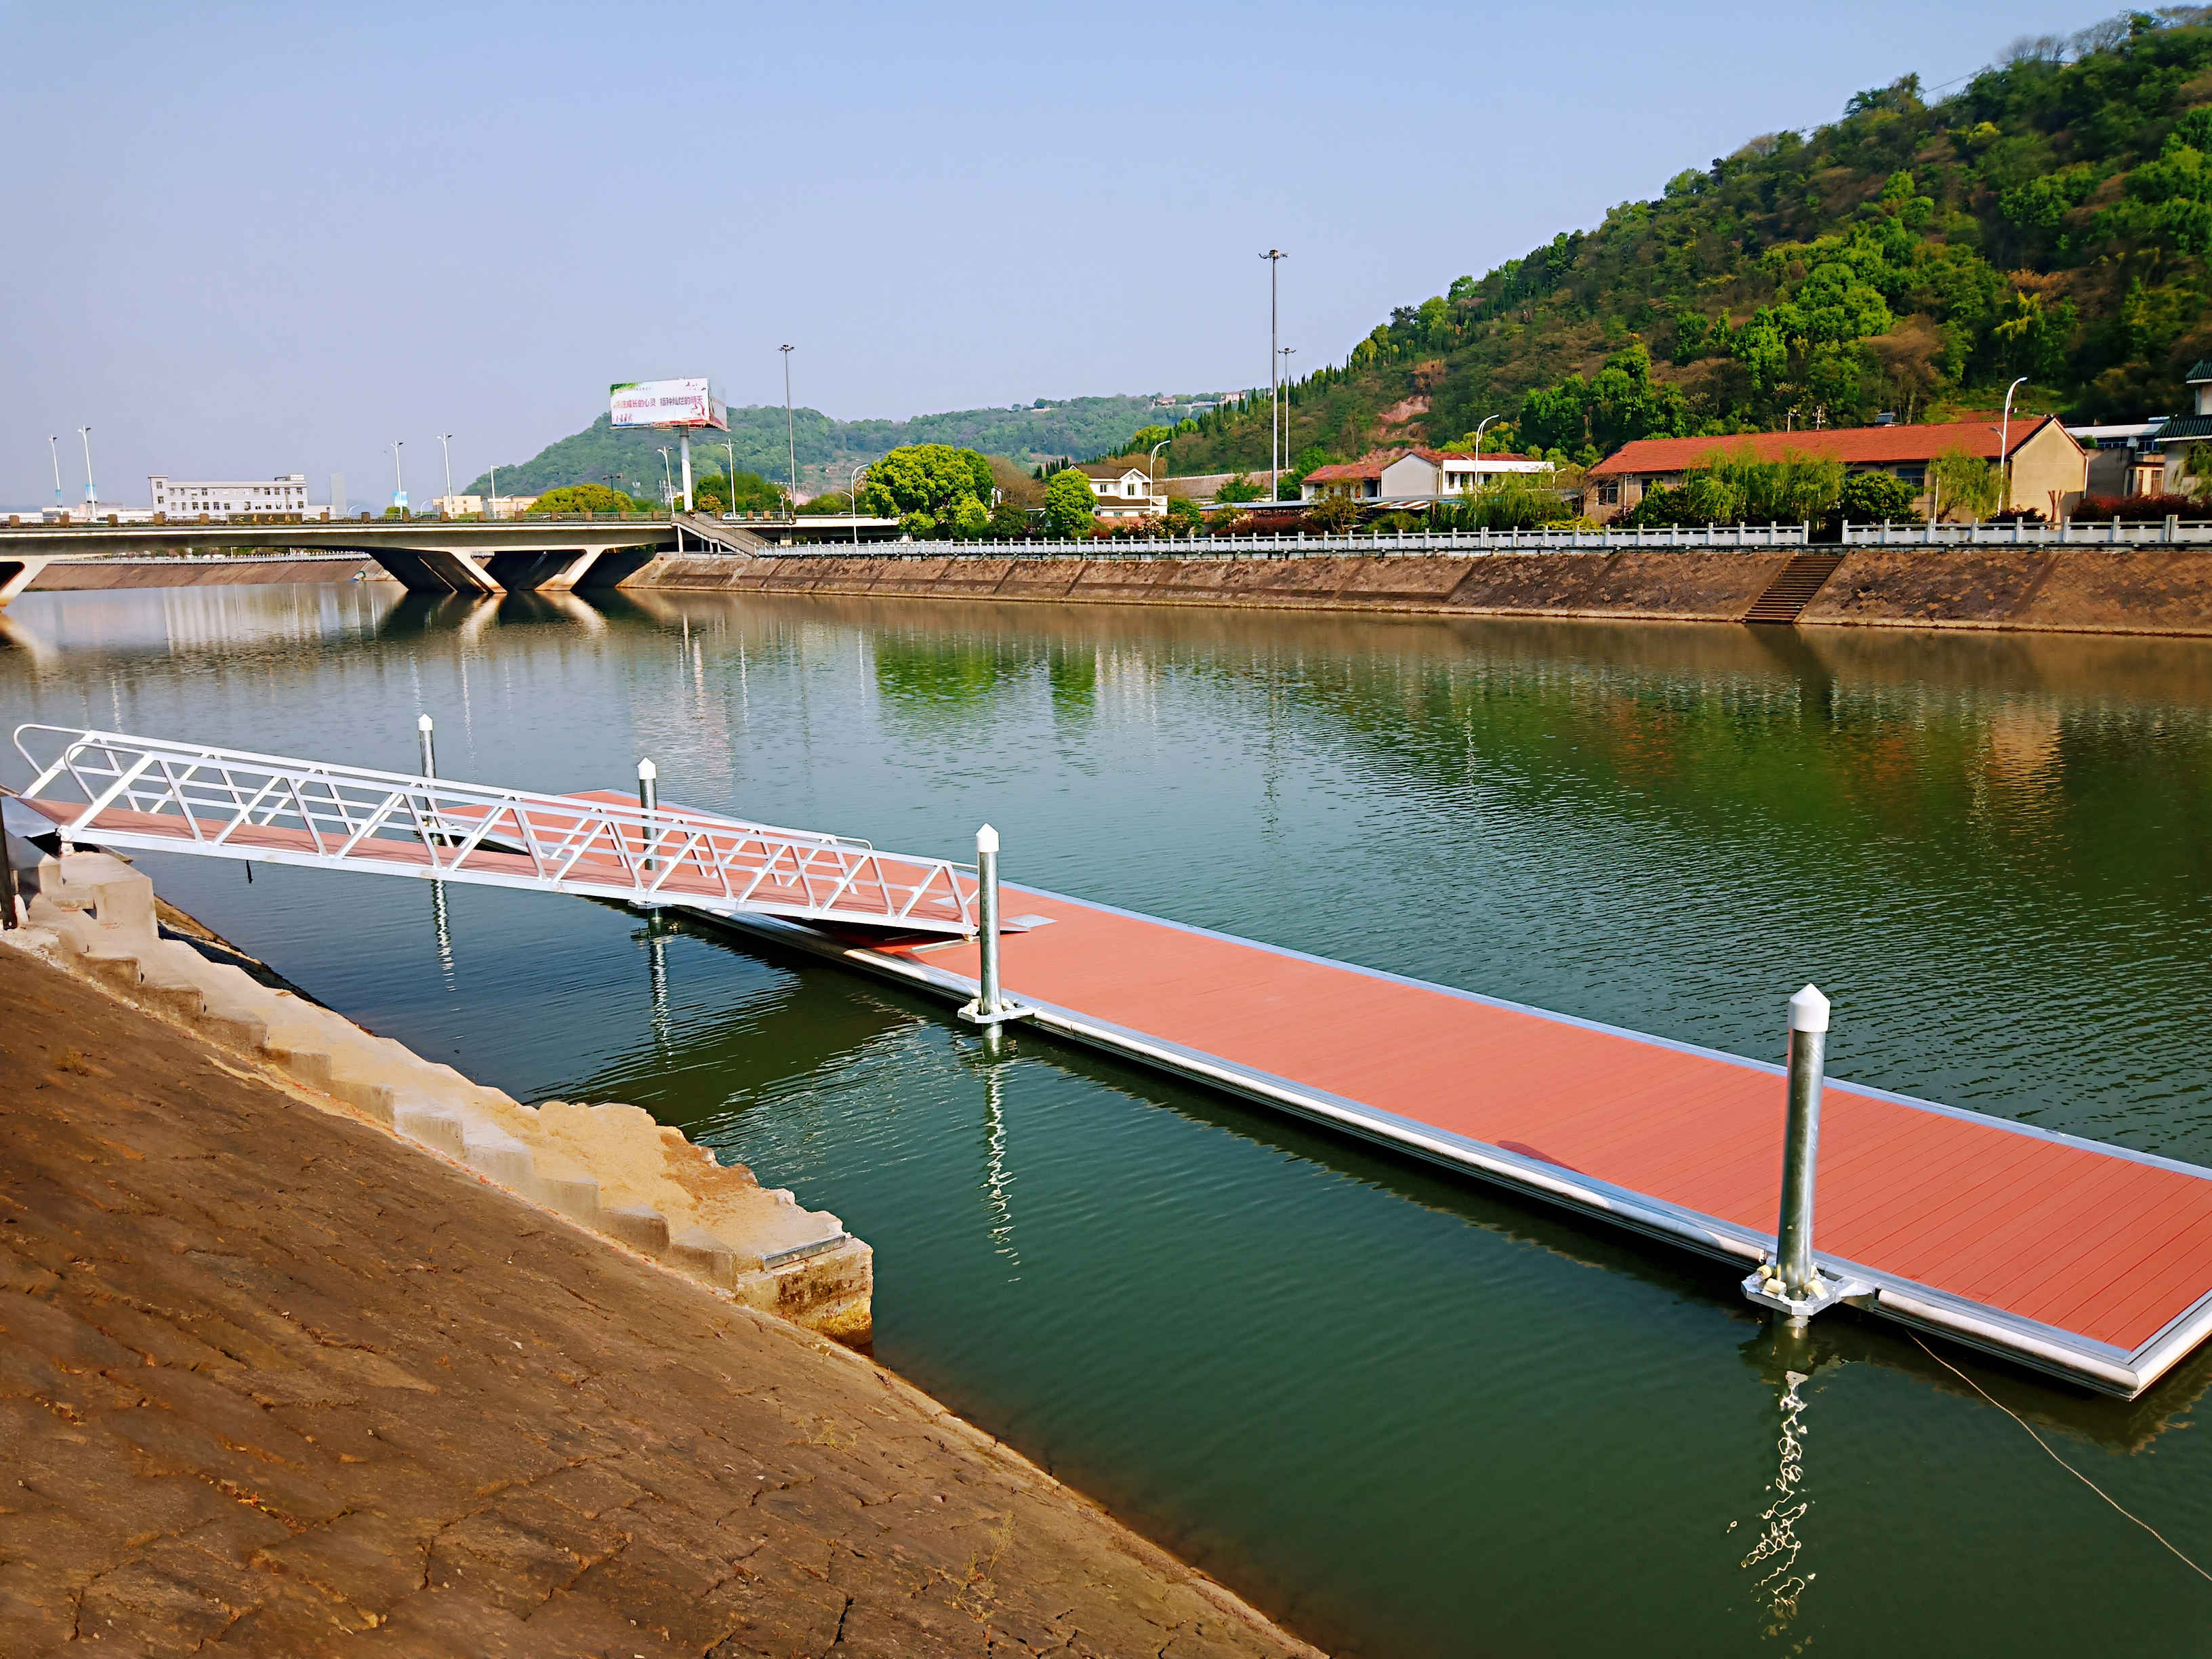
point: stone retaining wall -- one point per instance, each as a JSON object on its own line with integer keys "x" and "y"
{"x": 2090, "y": 589}
{"x": 200, "y": 573}
{"x": 607, "y": 1167}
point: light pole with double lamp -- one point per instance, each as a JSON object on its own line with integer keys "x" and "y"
{"x": 1274, "y": 256}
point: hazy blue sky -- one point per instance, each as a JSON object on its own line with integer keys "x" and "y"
{"x": 245, "y": 239}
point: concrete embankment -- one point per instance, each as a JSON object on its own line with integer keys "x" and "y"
{"x": 96, "y": 574}
{"x": 2087, "y": 589}
{"x": 277, "y": 1379}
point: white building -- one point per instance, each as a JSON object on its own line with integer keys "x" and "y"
{"x": 189, "y": 498}
{"x": 502, "y": 506}
{"x": 1123, "y": 491}
{"x": 1414, "y": 478}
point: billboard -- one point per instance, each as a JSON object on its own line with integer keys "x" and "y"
{"x": 666, "y": 403}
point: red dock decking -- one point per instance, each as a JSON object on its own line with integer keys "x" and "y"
{"x": 2090, "y": 1260}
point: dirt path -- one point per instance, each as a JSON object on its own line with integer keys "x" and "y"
{"x": 272, "y": 1383}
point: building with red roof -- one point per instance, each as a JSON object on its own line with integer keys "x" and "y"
{"x": 2048, "y": 469}
{"x": 1413, "y": 478}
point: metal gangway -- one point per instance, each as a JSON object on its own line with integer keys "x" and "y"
{"x": 153, "y": 795}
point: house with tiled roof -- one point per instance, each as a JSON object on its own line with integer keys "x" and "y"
{"x": 2183, "y": 432}
{"x": 1413, "y": 478}
{"x": 2048, "y": 469}
{"x": 1122, "y": 489}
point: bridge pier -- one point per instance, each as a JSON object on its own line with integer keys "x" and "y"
{"x": 435, "y": 569}
{"x": 18, "y": 573}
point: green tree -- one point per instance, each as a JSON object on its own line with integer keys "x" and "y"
{"x": 1185, "y": 517}
{"x": 927, "y": 487}
{"x": 1142, "y": 439}
{"x": 1966, "y": 484}
{"x": 1069, "y": 506}
{"x": 583, "y": 498}
{"x": 1876, "y": 498}
{"x": 1239, "y": 489}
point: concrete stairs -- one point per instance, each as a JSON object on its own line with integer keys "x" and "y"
{"x": 1788, "y": 593}
{"x": 607, "y": 1167}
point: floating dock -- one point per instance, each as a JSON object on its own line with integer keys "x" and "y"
{"x": 2090, "y": 1262}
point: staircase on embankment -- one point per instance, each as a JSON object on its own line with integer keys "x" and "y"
{"x": 1788, "y": 593}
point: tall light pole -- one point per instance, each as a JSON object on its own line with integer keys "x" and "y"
{"x": 731, "y": 444}
{"x": 852, "y": 500}
{"x": 790, "y": 431}
{"x": 1274, "y": 256}
{"x": 446, "y": 444}
{"x": 398, "y": 479}
{"x": 2004, "y": 444}
{"x": 667, "y": 479}
{"x": 91, "y": 495}
{"x": 1282, "y": 356}
{"x": 54, "y": 449}
{"x": 1152, "y": 483}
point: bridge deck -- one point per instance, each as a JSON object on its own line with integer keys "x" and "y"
{"x": 2090, "y": 1261}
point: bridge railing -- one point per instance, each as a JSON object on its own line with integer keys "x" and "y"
{"x": 153, "y": 795}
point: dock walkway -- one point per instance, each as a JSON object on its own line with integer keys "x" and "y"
{"x": 2088, "y": 1260}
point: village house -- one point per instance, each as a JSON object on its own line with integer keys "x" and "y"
{"x": 1123, "y": 489}
{"x": 2178, "y": 436}
{"x": 1413, "y": 478}
{"x": 2049, "y": 469}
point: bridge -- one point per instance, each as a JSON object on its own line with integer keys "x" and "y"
{"x": 2090, "y": 1262}
{"x": 439, "y": 556}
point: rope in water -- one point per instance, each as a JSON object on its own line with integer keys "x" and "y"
{"x": 2061, "y": 1461}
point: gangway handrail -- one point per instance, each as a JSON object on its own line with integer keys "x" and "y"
{"x": 156, "y": 794}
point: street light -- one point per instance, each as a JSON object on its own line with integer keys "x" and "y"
{"x": 2004, "y": 444}
{"x": 668, "y": 480}
{"x": 54, "y": 449}
{"x": 446, "y": 444}
{"x": 731, "y": 445}
{"x": 91, "y": 495}
{"x": 790, "y": 432}
{"x": 1152, "y": 483}
{"x": 1283, "y": 354}
{"x": 1274, "y": 256}
{"x": 399, "y": 480}
{"x": 852, "y": 500}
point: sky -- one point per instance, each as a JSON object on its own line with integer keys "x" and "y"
{"x": 249, "y": 239}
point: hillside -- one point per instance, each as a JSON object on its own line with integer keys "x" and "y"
{"x": 829, "y": 450}
{"x": 2051, "y": 218}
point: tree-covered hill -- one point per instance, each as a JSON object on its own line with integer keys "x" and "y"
{"x": 2053, "y": 218}
{"x": 829, "y": 450}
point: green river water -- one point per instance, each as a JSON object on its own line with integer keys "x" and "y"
{"x": 1403, "y": 1413}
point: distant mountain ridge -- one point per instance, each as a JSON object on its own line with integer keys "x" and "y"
{"x": 829, "y": 449}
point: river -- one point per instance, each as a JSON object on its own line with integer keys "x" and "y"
{"x": 1406, "y": 1413}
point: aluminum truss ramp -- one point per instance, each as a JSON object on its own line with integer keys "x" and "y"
{"x": 150, "y": 794}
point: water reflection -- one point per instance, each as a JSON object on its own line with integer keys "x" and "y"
{"x": 1372, "y": 1397}
{"x": 1774, "y": 1555}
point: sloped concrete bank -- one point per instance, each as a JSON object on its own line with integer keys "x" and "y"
{"x": 607, "y": 1167}
{"x": 101, "y": 574}
{"x": 2075, "y": 589}
{"x": 275, "y": 1381}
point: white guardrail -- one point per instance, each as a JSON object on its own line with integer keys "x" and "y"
{"x": 1300, "y": 546}
{"x": 150, "y": 794}
{"x": 2067, "y": 532}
